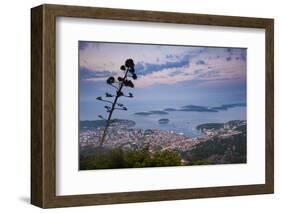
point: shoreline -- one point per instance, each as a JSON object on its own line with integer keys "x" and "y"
{"x": 124, "y": 135}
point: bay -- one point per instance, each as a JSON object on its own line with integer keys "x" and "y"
{"x": 185, "y": 123}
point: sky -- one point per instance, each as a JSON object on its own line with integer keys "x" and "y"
{"x": 168, "y": 76}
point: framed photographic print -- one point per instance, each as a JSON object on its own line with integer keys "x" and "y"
{"x": 137, "y": 106}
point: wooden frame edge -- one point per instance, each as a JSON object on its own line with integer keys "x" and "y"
{"x": 269, "y": 120}
{"x": 153, "y": 196}
{"x": 43, "y": 106}
{"x": 36, "y": 106}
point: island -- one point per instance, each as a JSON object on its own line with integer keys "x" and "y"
{"x": 163, "y": 121}
{"x": 196, "y": 108}
{"x": 152, "y": 112}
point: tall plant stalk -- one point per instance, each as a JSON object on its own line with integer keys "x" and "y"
{"x": 122, "y": 81}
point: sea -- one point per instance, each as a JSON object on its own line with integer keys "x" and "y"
{"x": 185, "y": 123}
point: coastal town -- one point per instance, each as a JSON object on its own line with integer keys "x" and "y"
{"x": 123, "y": 134}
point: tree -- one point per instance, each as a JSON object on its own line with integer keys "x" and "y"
{"x": 118, "y": 158}
{"x": 129, "y": 73}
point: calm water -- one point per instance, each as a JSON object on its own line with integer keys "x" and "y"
{"x": 186, "y": 122}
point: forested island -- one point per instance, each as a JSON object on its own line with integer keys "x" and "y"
{"x": 192, "y": 108}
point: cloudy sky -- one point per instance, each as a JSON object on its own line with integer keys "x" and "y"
{"x": 168, "y": 76}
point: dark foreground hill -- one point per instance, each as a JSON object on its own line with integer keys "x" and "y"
{"x": 220, "y": 150}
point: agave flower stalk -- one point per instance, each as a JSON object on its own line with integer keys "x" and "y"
{"x": 128, "y": 68}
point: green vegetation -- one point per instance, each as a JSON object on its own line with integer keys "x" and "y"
{"x": 199, "y": 162}
{"x": 119, "y": 158}
{"x": 210, "y": 126}
{"x": 242, "y": 128}
{"x": 219, "y": 151}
